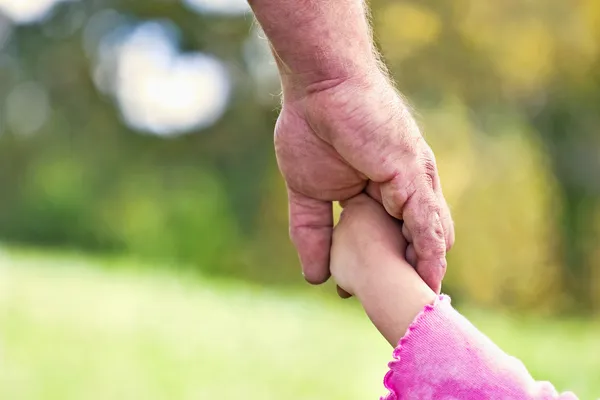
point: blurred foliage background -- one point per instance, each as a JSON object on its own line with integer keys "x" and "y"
{"x": 144, "y": 128}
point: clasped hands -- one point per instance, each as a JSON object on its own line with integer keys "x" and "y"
{"x": 338, "y": 138}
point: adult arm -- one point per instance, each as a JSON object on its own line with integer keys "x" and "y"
{"x": 317, "y": 43}
{"x": 342, "y": 125}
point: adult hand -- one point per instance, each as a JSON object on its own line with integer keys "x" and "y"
{"x": 338, "y": 138}
{"x": 343, "y": 125}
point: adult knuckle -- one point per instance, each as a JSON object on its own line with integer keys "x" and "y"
{"x": 436, "y": 249}
{"x": 439, "y": 234}
{"x": 427, "y": 163}
{"x": 429, "y": 203}
{"x": 298, "y": 232}
{"x": 427, "y": 179}
{"x": 429, "y": 224}
{"x": 294, "y": 233}
{"x": 430, "y": 235}
{"x": 428, "y": 166}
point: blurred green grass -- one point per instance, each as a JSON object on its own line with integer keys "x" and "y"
{"x": 72, "y": 329}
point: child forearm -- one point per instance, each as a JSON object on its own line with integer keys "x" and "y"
{"x": 392, "y": 295}
{"x": 438, "y": 353}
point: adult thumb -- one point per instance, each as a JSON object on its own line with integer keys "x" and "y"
{"x": 311, "y": 227}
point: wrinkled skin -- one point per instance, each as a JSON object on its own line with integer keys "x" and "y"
{"x": 337, "y": 139}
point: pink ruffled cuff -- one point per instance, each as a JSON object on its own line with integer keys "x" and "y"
{"x": 443, "y": 356}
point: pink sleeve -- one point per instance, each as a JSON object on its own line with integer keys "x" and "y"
{"x": 443, "y": 357}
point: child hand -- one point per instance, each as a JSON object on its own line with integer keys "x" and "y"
{"x": 365, "y": 237}
{"x": 367, "y": 261}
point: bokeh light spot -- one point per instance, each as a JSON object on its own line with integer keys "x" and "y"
{"x": 27, "y": 11}
{"x": 27, "y": 108}
{"x": 160, "y": 90}
{"x": 223, "y": 7}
